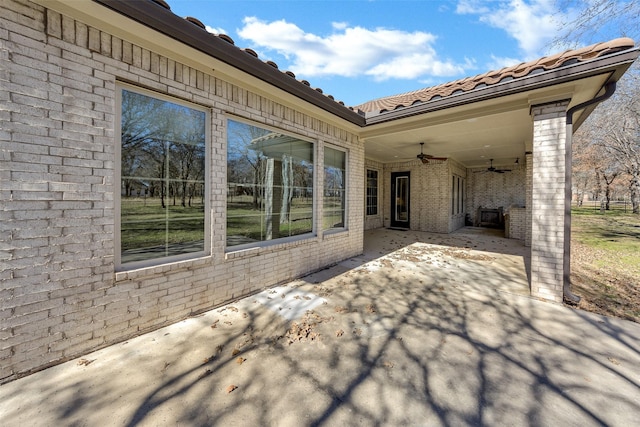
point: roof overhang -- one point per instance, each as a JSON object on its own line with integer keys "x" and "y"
{"x": 486, "y": 122}
{"x": 489, "y": 122}
{"x": 153, "y": 27}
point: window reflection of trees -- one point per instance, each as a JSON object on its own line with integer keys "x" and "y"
{"x": 269, "y": 185}
{"x": 162, "y": 178}
{"x": 334, "y": 200}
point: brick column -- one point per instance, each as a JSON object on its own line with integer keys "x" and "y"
{"x": 548, "y": 200}
{"x": 528, "y": 197}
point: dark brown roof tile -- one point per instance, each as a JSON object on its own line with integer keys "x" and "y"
{"x": 228, "y": 39}
{"x": 251, "y": 52}
{"x": 489, "y": 78}
{"x": 162, "y": 3}
{"x": 195, "y": 21}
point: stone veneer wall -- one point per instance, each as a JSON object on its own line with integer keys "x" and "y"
{"x": 61, "y": 296}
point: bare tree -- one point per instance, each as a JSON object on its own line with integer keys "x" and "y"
{"x": 623, "y": 142}
{"x": 618, "y": 120}
{"x": 587, "y": 22}
{"x": 586, "y": 158}
{"x": 616, "y": 128}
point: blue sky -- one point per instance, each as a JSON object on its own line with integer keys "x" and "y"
{"x": 359, "y": 50}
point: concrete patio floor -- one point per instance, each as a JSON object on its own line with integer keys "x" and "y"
{"x": 422, "y": 329}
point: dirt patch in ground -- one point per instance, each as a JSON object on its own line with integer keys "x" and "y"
{"x": 306, "y": 328}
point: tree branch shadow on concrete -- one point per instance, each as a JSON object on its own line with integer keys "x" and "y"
{"x": 390, "y": 345}
{"x": 421, "y": 347}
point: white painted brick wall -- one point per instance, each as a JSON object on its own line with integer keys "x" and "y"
{"x": 430, "y": 194}
{"x": 492, "y": 190}
{"x": 529, "y": 196}
{"x": 547, "y": 229}
{"x": 60, "y": 295}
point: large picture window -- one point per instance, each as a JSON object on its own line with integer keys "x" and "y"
{"x": 334, "y": 200}
{"x": 162, "y": 179}
{"x": 269, "y": 185}
{"x": 372, "y": 192}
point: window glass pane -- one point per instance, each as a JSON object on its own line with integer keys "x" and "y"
{"x": 457, "y": 195}
{"x": 453, "y": 195}
{"x": 402, "y": 197}
{"x": 334, "y": 200}
{"x": 372, "y": 192}
{"x": 269, "y": 185}
{"x": 162, "y": 178}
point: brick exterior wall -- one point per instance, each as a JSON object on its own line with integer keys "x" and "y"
{"x": 529, "y": 196}
{"x": 430, "y": 194}
{"x": 516, "y": 223}
{"x": 548, "y": 201}
{"x": 61, "y": 296}
{"x": 496, "y": 190}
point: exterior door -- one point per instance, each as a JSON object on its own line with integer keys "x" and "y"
{"x": 400, "y": 200}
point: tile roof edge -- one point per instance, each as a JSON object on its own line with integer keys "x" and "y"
{"x": 614, "y": 65}
{"x": 491, "y": 78}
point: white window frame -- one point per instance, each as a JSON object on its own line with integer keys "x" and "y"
{"x": 119, "y": 266}
{"x": 280, "y": 240}
{"x": 321, "y": 177}
{"x": 366, "y": 192}
{"x": 457, "y": 195}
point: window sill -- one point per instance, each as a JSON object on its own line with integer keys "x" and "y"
{"x": 254, "y": 251}
{"x": 155, "y": 270}
{"x": 335, "y": 233}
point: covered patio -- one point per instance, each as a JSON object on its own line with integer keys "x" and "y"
{"x": 422, "y": 329}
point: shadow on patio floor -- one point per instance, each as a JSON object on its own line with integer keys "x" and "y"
{"x": 417, "y": 331}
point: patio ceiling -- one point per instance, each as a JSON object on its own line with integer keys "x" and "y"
{"x": 498, "y": 128}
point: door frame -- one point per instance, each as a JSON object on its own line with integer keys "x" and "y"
{"x": 400, "y": 213}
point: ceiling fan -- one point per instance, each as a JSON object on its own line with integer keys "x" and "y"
{"x": 492, "y": 169}
{"x": 424, "y": 158}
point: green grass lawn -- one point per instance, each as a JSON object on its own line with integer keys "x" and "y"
{"x": 145, "y": 223}
{"x": 606, "y": 261}
{"x": 245, "y": 222}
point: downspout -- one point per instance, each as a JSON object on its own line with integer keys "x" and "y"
{"x": 609, "y": 90}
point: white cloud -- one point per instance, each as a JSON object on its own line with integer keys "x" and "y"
{"x": 471, "y": 7}
{"x": 340, "y": 25}
{"x": 499, "y": 62}
{"x": 216, "y": 31}
{"x": 351, "y": 51}
{"x": 533, "y": 23}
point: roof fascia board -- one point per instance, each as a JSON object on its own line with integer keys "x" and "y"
{"x": 440, "y": 117}
{"x": 166, "y": 22}
{"x": 616, "y": 63}
{"x": 232, "y": 62}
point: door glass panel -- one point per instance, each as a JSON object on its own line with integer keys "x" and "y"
{"x": 402, "y": 198}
